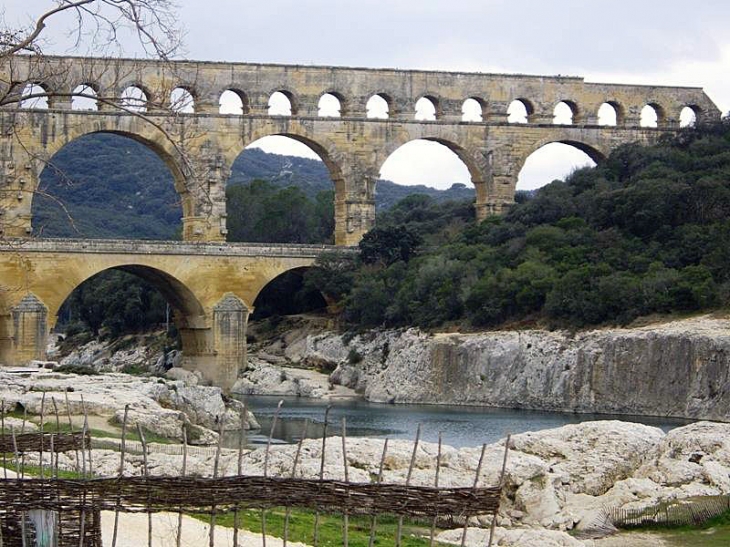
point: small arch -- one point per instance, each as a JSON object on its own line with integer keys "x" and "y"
{"x": 519, "y": 111}
{"x": 34, "y": 96}
{"x": 233, "y": 102}
{"x": 652, "y": 115}
{"x": 329, "y": 106}
{"x": 378, "y": 107}
{"x": 609, "y": 114}
{"x": 689, "y": 115}
{"x": 427, "y": 109}
{"x": 564, "y": 113}
{"x": 84, "y": 98}
{"x": 182, "y": 101}
{"x": 134, "y": 98}
{"x": 472, "y": 110}
{"x": 281, "y": 103}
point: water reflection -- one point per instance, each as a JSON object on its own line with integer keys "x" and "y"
{"x": 460, "y": 425}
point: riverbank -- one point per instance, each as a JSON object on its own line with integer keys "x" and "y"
{"x": 678, "y": 369}
{"x": 557, "y": 482}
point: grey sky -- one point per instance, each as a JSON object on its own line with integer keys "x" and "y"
{"x": 632, "y": 41}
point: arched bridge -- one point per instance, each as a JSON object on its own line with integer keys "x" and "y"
{"x": 173, "y": 107}
{"x": 211, "y": 287}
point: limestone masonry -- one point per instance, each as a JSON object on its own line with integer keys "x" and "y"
{"x": 213, "y": 287}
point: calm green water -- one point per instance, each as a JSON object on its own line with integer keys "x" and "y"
{"x": 459, "y": 425}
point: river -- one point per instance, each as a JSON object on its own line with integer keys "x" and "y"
{"x": 460, "y": 425}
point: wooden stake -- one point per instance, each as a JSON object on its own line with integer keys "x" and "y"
{"x": 287, "y": 515}
{"x": 216, "y": 463}
{"x": 241, "y": 443}
{"x": 345, "y": 515}
{"x": 476, "y": 482}
{"x": 2, "y": 426}
{"x": 501, "y": 485}
{"x": 399, "y": 534}
{"x": 373, "y": 521}
{"x": 182, "y": 474}
{"x": 122, "y": 449}
{"x": 266, "y": 468}
{"x": 436, "y": 485}
{"x": 321, "y": 471}
{"x": 23, "y": 532}
{"x": 145, "y": 470}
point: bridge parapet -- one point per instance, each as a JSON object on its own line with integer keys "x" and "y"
{"x": 174, "y": 248}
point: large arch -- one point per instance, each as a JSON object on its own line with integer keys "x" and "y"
{"x": 285, "y": 294}
{"x": 164, "y": 152}
{"x": 339, "y": 168}
{"x": 592, "y": 153}
{"x": 124, "y": 176}
{"x": 191, "y": 313}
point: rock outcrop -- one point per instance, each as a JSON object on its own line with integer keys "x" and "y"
{"x": 160, "y": 406}
{"x": 679, "y": 369}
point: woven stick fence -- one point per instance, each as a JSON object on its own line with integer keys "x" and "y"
{"x": 74, "y": 505}
{"x": 157, "y": 494}
{"x": 691, "y": 512}
{"x": 41, "y": 442}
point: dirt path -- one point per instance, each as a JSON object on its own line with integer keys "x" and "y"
{"x": 637, "y": 539}
{"x": 133, "y": 532}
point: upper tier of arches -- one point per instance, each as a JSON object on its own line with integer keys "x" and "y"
{"x": 330, "y": 92}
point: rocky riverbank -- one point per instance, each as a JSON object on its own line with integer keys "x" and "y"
{"x": 557, "y": 481}
{"x": 160, "y": 406}
{"x": 678, "y": 369}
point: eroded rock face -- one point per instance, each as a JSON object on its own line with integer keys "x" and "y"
{"x": 679, "y": 369}
{"x": 160, "y": 406}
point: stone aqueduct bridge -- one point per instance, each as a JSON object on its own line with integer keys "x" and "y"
{"x": 213, "y": 285}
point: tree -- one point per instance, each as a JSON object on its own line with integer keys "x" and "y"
{"x": 100, "y": 26}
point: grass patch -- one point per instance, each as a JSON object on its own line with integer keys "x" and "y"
{"x": 301, "y": 528}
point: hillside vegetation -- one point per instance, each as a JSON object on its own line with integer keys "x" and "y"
{"x": 109, "y": 186}
{"x": 646, "y": 232}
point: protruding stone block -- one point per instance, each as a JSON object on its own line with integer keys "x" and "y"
{"x": 30, "y": 329}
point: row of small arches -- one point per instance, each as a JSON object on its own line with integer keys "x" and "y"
{"x": 232, "y": 102}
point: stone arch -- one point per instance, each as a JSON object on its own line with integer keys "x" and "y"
{"x": 287, "y": 280}
{"x": 476, "y": 162}
{"x": 614, "y": 107}
{"x": 292, "y": 97}
{"x": 35, "y": 95}
{"x": 515, "y": 113}
{"x": 129, "y": 98}
{"x": 183, "y": 100}
{"x": 473, "y": 109}
{"x": 570, "y": 108}
{"x": 371, "y": 105}
{"x": 158, "y": 143}
{"x": 343, "y": 107}
{"x": 339, "y": 166}
{"x": 245, "y": 104}
{"x": 597, "y": 154}
{"x": 689, "y": 115}
{"x": 430, "y": 101}
{"x": 650, "y": 110}
{"x": 85, "y": 97}
{"x": 180, "y": 296}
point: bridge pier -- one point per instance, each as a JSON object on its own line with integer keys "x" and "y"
{"x": 28, "y": 333}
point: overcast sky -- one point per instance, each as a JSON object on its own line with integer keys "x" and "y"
{"x": 626, "y": 41}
